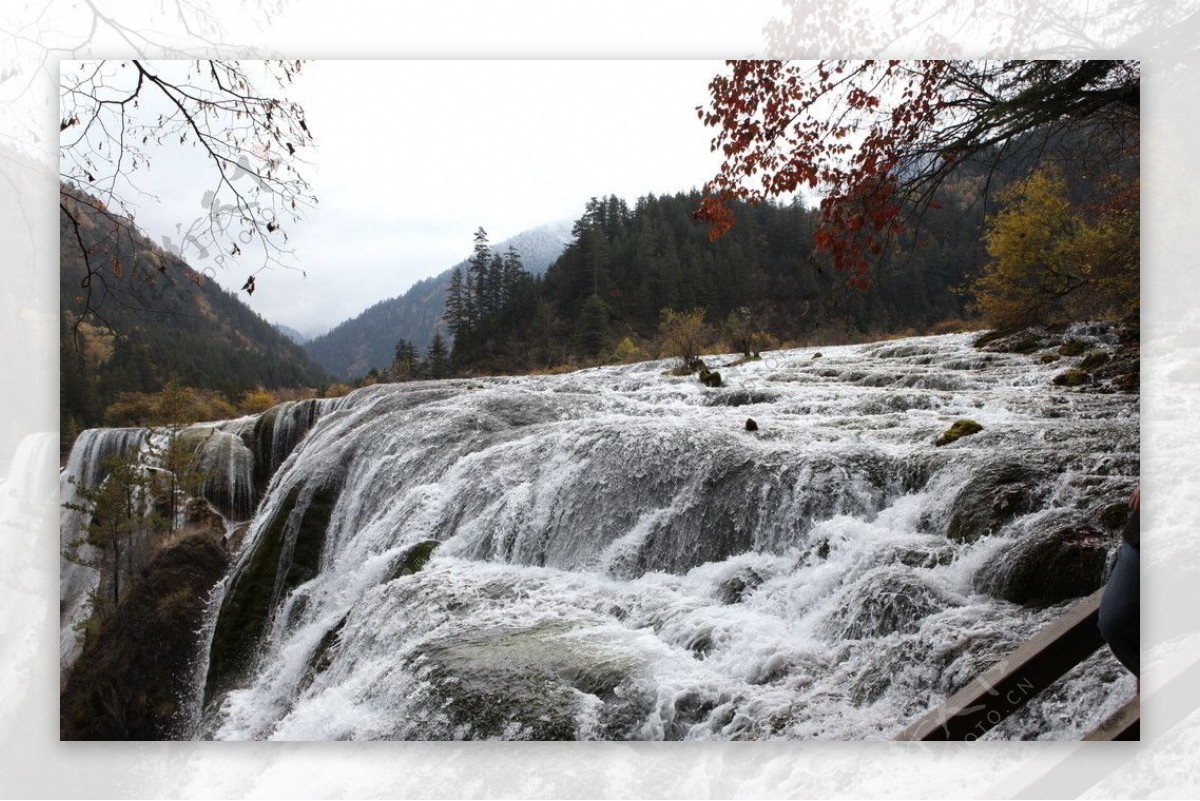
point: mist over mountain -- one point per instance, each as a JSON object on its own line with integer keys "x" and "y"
{"x": 291, "y": 333}
{"x": 368, "y": 341}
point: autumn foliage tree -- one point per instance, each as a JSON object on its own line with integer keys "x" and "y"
{"x": 685, "y": 336}
{"x": 877, "y": 138}
{"x": 1053, "y": 262}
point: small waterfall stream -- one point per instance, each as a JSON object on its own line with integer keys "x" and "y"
{"x": 612, "y": 554}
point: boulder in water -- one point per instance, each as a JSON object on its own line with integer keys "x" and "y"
{"x": 412, "y": 559}
{"x": 1072, "y": 347}
{"x": 1008, "y": 341}
{"x": 710, "y": 378}
{"x": 735, "y": 588}
{"x": 751, "y": 425}
{"x": 1048, "y": 568}
{"x": 529, "y": 683}
{"x": 994, "y": 496}
{"x": 961, "y": 428}
{"x": 1094, "y": 359}
{"x": 885, "y": 601}
{"x": 1073, "y": 377}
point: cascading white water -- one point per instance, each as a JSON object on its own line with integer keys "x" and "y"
{"x": 77, "y": 578}
{"x": 226, "y": 460}
{"x": 224, "y": 466}
{"x": 620, "y": 558}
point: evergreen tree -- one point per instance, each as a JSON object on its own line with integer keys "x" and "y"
{"x": 513, "y": 271}
{"x": 121, "y": 523}
{"x": 592, "y": 330}
{"x": 457, "y": 315}
{"x": 494, "y": 288}
{"x": 477, "y": 278}
{"x": 406, "y": 364}
{"x": 437, "y": 359}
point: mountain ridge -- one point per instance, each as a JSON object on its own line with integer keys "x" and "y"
{"x": 368, "y": 340}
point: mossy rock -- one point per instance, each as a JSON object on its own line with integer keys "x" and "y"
{"x": 960, "y": 428}
{"x": 710, "y": 378}
{"x": 130, "y": 678}
{"x": 1072, "y": 347}
{"x": 247, "y": 602}
{"x": 1040, "y": 570}
{"x": 1073, "y": 377}
{"x": 411, "y": 560}
{"x": 990, "y": 337}
{"x": 994, "y": 495}
{"x": 1128, "y": 382}
{"x": 1050, "y": 358}
{"x": 529, "y": 683}
{"x": 741, "y": 397}
{"x": 1008, "y": 341}
{"x": 263, "y": 577}
{"x": 1027, "y": 346}
{"x": 1096, "y": 358}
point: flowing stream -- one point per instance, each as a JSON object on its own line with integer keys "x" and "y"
{"x": 612, "y": 554}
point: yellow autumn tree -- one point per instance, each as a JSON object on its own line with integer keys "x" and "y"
{"x": 1049, "y": 264}
{"x": 684, "y": 335}
{"x": 1029, "y": 240}
{"x": 256, "y": 400}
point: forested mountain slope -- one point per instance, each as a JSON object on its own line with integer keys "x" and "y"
{"x": 143, "y": 318}
{"x": 369, "y": 340}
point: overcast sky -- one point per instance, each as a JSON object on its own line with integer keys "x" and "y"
{"x": 413, "y": 156}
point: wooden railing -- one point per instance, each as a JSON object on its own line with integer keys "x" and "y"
{"x": 1014, "y": 680}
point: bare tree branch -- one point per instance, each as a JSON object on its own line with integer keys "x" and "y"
{"x": 118, "y": 115}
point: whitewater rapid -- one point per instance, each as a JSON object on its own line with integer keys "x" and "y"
{"x": 618, "y": 557}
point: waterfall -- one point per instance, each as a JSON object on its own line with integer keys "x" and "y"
{"x": 77, "y": 578}
{"x": 224, "y": 466}
{"x": 612, "y": 554}
{"x": 225, "y": 461}
{"x": 278, "y": 430}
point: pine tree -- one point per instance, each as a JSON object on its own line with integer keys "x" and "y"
{"x": 457, "y": 314}
{"x": 121, "y": 522}
{"x": 406, "y": 364}
{"x": 477, "y": 277}
{"x": 513, "y": 271}
{"x": 494, "y": 289}
{"x": 592, "y": 330}
{"x": 437, "y": 359}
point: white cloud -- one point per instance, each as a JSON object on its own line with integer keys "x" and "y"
{"x": 413, "y": 156}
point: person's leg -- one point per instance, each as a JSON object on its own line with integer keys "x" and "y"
{"x": 1120, "y": 609}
